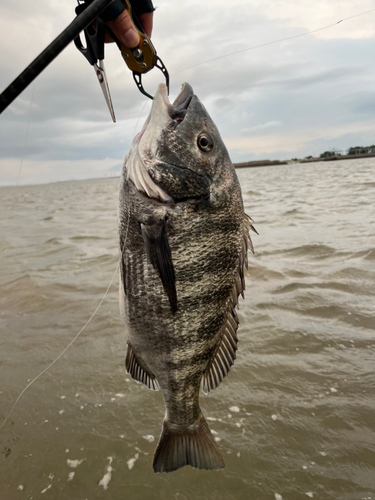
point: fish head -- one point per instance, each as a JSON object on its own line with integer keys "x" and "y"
{"x": 179, "y": 154}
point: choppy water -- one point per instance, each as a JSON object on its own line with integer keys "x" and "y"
{"x": 295, "y": 417}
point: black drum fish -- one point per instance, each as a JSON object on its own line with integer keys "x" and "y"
{"x": 184, "y": 239}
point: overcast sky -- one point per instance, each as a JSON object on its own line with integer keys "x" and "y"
{"x": 288, "y": 99}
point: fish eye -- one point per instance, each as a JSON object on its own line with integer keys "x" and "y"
{"x": 205, "y": 142}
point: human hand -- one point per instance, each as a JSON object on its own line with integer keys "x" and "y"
{"x": 124, "y": 29}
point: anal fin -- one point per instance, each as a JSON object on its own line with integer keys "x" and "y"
{"x": 138, "y": 373}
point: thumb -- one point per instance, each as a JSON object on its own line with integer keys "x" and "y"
{"x": 124, "y": 30}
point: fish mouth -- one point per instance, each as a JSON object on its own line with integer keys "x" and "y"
{"x": 162, "y": 112}
{"x": 177, "y": 110}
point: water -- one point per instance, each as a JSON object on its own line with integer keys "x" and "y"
{"x": 295, "y": 417}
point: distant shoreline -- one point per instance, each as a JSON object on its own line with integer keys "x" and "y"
{"x": 339, "y": 157}
{"x": 259, "y": 163}
{"x": 269, "y": 163}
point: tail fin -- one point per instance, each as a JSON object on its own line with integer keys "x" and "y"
{"x": 195, "y": 446}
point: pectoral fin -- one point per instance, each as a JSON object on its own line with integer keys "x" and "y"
{"x": 159, "y": 253}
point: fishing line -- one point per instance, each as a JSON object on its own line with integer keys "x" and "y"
{"x": 78, "y": 334}
{"x": 272, "y": 42}
{"x": 66, "y": 348}
{"x": 98, "y": 306}
{"x": 126, "y": 234}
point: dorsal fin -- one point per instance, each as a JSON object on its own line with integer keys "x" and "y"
{"x": 225, "y": 354}
{"x": 138, "y": 373}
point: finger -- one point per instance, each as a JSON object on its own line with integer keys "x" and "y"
{"x": 146, "y": 21}
{"x": 124, "y": 30}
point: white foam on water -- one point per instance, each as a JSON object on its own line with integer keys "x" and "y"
{"x": 274, "y": 417}
{"x": 77, "y": 394}
{"x": 323, "y": 453}
{"x": 217, "y": 439}
{"x": 67, "y": 450}
{"x": 132, "y": 461}
{"x": 310, "y": 494}
{"x": 212, "y": 419}
{"x": 239, "y": 454}
{"x": 113, "y": 399}
{"x": 71, "y": 476}
{"x": 304, "y": 467}
{"x": 234, "y": 409}
{"x": 278, "y": 496}
{"x": 122, "y": 436}
{"x": 106, "y": 478}
{"x": 213, "y": 432}
{"x": 120, "y": 395}
{"x": 75, "y": 463}
{"x": 149, "y": 437}
{"x": 333, "y": 389}
{"x": 20, "y": 487}
{"x": 62, "y": 397}
{"x": 238, "y": 424}
{"x": 46, "y": 489}
{"x": 61, "y": 412}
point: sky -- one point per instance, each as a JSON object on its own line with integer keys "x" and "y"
{"x": 282, "y": 100}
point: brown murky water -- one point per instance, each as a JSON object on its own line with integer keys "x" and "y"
{"x": 295, "y": 418}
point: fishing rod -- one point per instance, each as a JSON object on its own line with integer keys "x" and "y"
{"x": 53, "y": 50}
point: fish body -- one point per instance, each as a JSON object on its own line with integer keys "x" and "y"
{"x": 183, "y": 238}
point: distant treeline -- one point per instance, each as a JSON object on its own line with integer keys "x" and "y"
{"x": 356, "y": 150}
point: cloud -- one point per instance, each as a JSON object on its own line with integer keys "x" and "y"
{"x": 298, "y": 141}
{"x": 302, "y": 13}
{"x": 263, "y": 126}
{"x": 279, "y": 99}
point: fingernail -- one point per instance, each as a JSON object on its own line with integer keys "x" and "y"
{"x": 130, "y": 38}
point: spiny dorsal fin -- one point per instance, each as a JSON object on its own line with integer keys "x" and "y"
{"x": 225, "y": 354}
{"x": 138, "y": 373}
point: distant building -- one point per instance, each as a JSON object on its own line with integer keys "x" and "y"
{"x": 361, "y": 150}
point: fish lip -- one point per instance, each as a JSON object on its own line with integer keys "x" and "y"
{"x": 177, "y": 110}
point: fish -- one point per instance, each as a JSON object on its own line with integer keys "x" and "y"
{"x": 183, "y": 242}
